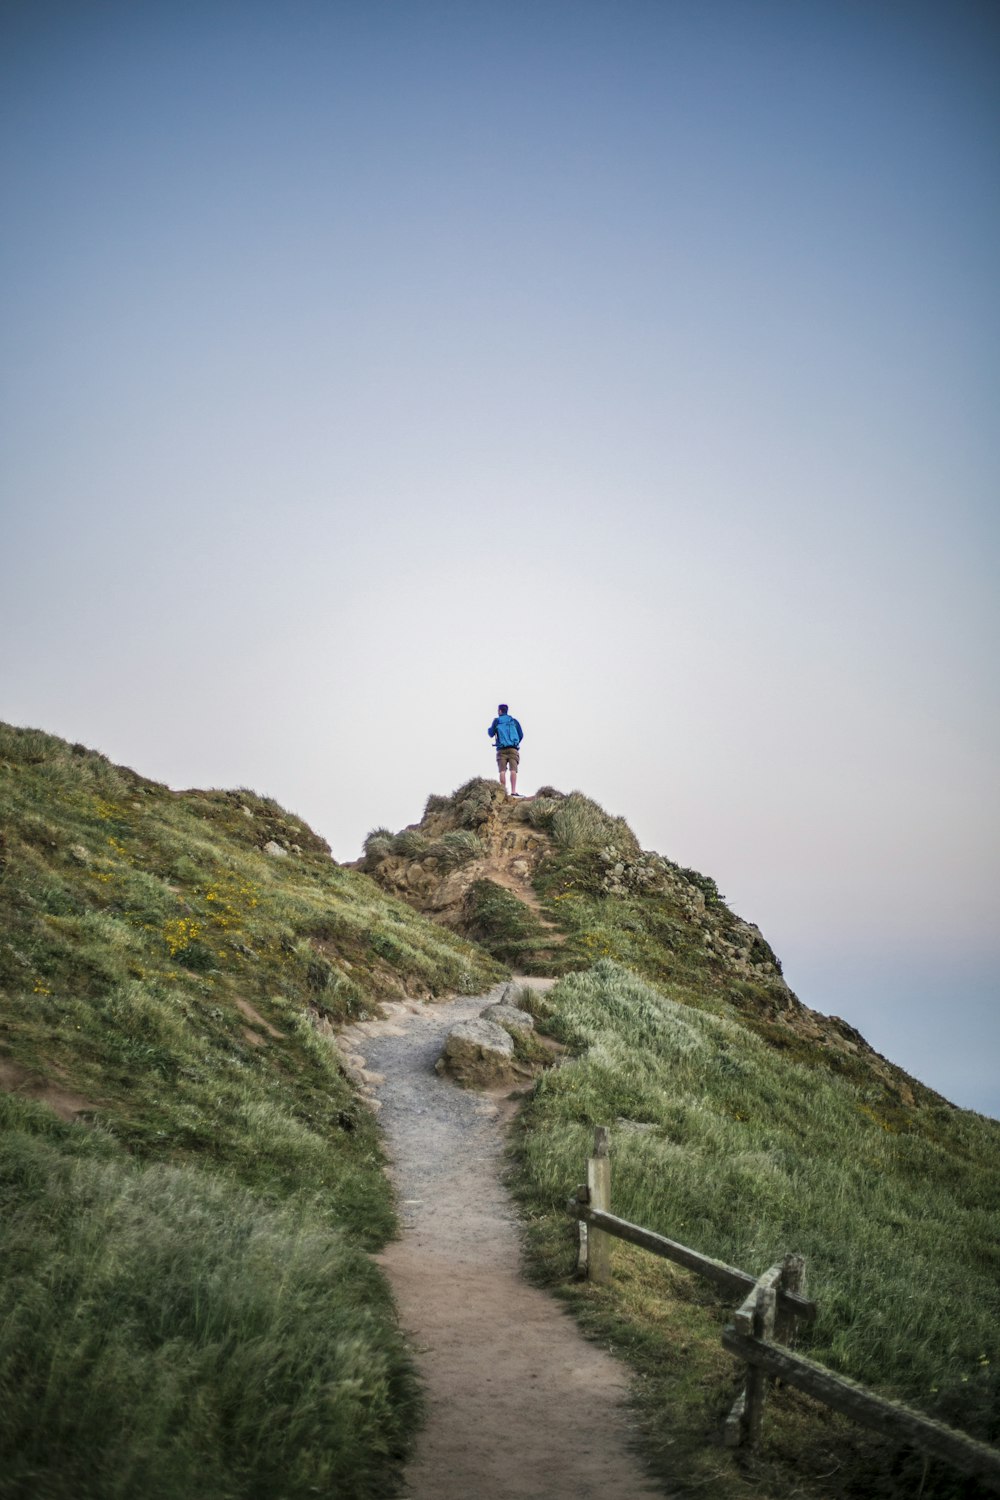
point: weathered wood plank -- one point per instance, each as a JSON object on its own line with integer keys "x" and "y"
{"x": 732, "y": 1432}
{"x": 729, "y": 1277}
{"x": 757, "y": 1379}
{"x": 793, "y": 1281}
{"x": 863, "y": 1406}
{"x": 599, "y": 1194}
{"x": 582, "y": 1244}
{"x": 743, "y": 1318}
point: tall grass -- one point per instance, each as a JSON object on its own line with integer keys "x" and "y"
{"x": 164, "y": 1333}
{"x": 577, "y": 822}
{"x": 723, "y": 1143}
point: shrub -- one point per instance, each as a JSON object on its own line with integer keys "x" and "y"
{"x": 377, "y": 845}
{"x": 410, "y": 843}
{"x": 580, "y": 823}
{"x": 706, "y": 885}
{"x": 457, "y": 847}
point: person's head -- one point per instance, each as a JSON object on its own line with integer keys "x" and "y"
{"x": 501, "y": 708}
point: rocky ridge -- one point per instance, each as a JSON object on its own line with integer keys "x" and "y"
{"x": 562, "y": 866}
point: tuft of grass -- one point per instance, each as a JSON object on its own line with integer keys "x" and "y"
{"x": 580, "y": 823}
{"x": 377, "y": 845}
{"x": 724, "y": 1143}
{"x": 457, "y": 847}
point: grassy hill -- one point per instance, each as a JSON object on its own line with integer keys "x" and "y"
{"x": 187, "y": 1186}
{"x": 744, "y": 1124}
{"x": 189, "y": 1191}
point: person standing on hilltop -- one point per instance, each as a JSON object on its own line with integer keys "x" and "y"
{"x": 508, "y": 734}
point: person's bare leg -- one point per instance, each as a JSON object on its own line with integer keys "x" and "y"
{"x": 513, "y": 781}
{"x": 503, "y": 777}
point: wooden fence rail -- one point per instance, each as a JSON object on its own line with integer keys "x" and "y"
{"x": 772, "y": 1302}
{"x": 863, "y": 1406}
{"x": 727, "y": 1277}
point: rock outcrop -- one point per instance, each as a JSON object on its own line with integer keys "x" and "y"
{"x": 552, "y": 883}
{"x": 484, "y": 1052}
{"x": 478, "y": 834}
{"x": 478, "y": 1054}
{"x": 509, "y": 1017}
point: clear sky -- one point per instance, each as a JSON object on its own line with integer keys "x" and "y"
{"x": 367, "y": 363}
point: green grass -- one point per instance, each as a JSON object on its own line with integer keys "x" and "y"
{"x": 495, "y": 918}
{"x": 163, "y": 1332}
{"x": 187, "y": 1303}
{"x": 577, "y": 822}
{"x": 170, "y": 985}
{"x": 653, "y": 916}
{"x": 727, "y": 1145}
{"x": 153, "y": 956}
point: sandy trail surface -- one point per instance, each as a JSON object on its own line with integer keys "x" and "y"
{"x": 519, "y": 1403}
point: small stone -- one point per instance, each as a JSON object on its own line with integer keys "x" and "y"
{"x": 275, "y": 850}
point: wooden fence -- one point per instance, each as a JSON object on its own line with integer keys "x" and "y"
{"x": 762, "y": 1330}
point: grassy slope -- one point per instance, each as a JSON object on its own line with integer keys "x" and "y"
{"x": 185, "y": 1290}
{"x": 730, "y": 1146}
{"x": 194, "y": 1262}
{"x": 747, "y": 1127}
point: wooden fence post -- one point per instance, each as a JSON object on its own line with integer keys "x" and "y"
{"x": 763, "y": 1328}
{"x": 755, "y": 1318}
{"x": 599, "y": 1189}
{"x": 793, "y": 1279}
{"x": 582, "y": 1195}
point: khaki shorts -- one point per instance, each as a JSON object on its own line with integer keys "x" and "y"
{"x": 508, "y": 756}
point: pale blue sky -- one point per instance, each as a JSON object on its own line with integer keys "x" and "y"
{"x": 365, "y": 364}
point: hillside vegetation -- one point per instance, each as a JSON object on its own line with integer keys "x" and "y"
{"x": 744, "y": 1124}
{"x": 724, "y": 1143}
{"x": 187, "y": 1185}
{"x": 553, "y": 883}
{"x": 190, "y": 1190}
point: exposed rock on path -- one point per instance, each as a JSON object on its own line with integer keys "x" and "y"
{"x": 519, "y": 1404}
{"x": 478, "y": 1052}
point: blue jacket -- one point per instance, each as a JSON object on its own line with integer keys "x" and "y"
{"x": 507, "y": 732}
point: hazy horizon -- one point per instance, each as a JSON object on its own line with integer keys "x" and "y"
{"x": 637, "y": 366}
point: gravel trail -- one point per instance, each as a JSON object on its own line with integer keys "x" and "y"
{"x": 519, "y": 1403}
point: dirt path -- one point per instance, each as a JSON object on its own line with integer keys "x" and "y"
{"x": 519, "y": 1404}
